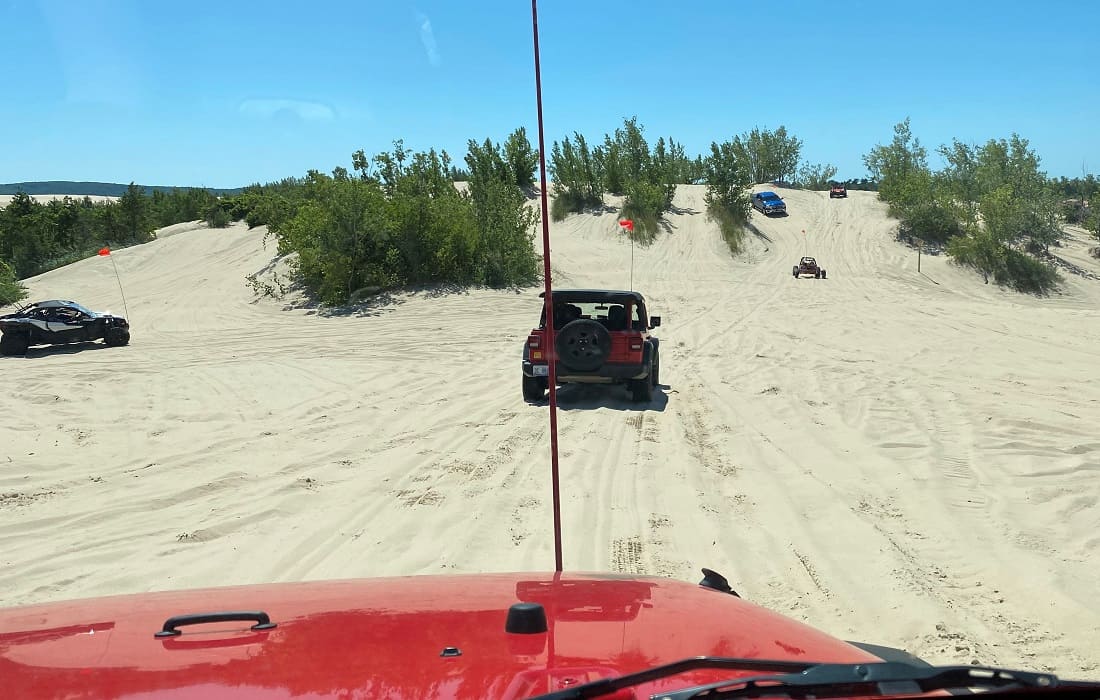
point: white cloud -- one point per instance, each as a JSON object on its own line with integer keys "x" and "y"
{"x": 287, "y": 109}
{"x": 427, "y": 37}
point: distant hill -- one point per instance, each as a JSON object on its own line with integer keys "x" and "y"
{"x": 103, "y": 189}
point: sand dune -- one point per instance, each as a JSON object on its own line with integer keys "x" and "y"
{"x": 5, "y": 199}
{"x": 900, "y": 457}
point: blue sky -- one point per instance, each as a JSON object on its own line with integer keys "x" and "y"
{"x": 224, "y": 93}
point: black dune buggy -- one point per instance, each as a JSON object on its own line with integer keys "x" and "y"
{"x": 57, "y": 322}
{"x": 808, "y": 266}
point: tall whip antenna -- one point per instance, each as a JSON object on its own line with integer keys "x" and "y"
{"x": 548, "y": 301}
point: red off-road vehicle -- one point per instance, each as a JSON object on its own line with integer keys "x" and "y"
{"x": 601, "y": 337}
{"x": 507, "y": 636}
{"x": 838, "y": 190}
{"x": 809, "y": 266}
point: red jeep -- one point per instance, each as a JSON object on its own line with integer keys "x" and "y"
{"x": 838, "y": 190}
{"x": 601, "y": 337}
{"x": 809, "y": 266}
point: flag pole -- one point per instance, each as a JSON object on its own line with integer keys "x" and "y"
{"x": 106, "y": 251}
{"x": 119, "y": 279}
{"x": 628, "y": 226}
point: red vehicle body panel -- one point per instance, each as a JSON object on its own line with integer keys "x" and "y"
{"x": 626, "y": 345}
{"x": 377, "y": 638}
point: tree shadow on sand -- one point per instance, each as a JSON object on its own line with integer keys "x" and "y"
{"x": 378, "y": 302}
{"x": 760, "y": 235}
{"x": 688, "y": 211}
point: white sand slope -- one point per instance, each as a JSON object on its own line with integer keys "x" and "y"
{"x": 902, "y": 458}
{"x": 5, "y": 199}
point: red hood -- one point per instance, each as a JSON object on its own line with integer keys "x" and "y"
{"x": 383, "y": 638}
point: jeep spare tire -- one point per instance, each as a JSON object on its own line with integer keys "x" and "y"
{"x": 583, "y": 345}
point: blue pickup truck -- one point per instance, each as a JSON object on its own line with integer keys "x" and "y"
{"x": 768, "y": 203}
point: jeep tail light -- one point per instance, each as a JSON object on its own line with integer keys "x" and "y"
{"x": 636, "y": 344}
{"x": 534, "y": 340}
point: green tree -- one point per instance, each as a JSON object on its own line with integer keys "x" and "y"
{"x": 522, "y": 158}
{"x": 505, "y": 224}
{"x": 25, "y": 235}
{"x": 404, "y": 223}
{"x": 814, "y": 176}
{"x": 577, "y": 175}
{"x": 901, "y": 169}
{"x": 134, "y": 216}
{"x": 647, "y": 177}
{"x": 729, "y": 179}
{"x": 609, "y": 160}
{"x": 770, "y": 155}
{"x": 985, "y": 204}
{"x": 11, "y": 290}
{"x": 1026, "y": 207}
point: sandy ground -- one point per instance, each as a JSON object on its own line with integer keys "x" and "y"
{"x": 5, "y": 199}
{"x": 899, "y": 457}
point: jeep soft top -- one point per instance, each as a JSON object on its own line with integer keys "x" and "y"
{"x": 595, "y": 295}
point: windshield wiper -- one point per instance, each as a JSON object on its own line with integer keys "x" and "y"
{"x": 607, "y": 686}
{"x": 820, "y": 680}
{"x": 871, "y": 679}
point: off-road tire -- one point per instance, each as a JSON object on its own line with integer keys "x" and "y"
{"x": 823, "y": 274}
{"x": 641, "y": 390}
{"x": 534, "y": 388}
{"x": 583, "y": 345}
{"x": 116, "y": 336}
{"x": 795, "y": 272}
{"x": 14, "y": 344}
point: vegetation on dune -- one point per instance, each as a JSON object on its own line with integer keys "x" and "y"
{"x": 11, "y": 291}
{"x": 1080, "y": 199}
{"x": 626, "y": 165}
{"x": 393, "y": 220}
{"x": 991, "y": 206}
{"x": 397, "y": 218}
{"x": 578, "y": 176}
{"x": 863, "y": 183}
{"x": 769, "y": 155}
{"x": 401, "y": 221}
{"x": 36, "y": 237}
{"x": 815, "y": 176}
{"x": 522, "y": 160}
{"x": 646, "y": 176}
{"x": 94, "y": 189}
{"x": 729, "y": 180}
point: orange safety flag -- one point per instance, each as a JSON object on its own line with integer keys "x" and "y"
{"x": 104, "y": 251}
{"x": 627, "y": 224}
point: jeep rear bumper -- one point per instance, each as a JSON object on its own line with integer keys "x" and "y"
{"x": 610, "y": 372}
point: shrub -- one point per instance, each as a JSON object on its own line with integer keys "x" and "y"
{"x": 11, "y": 290}
{"x": 1007, "y": 266}
{"x": 930, "y": 221}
